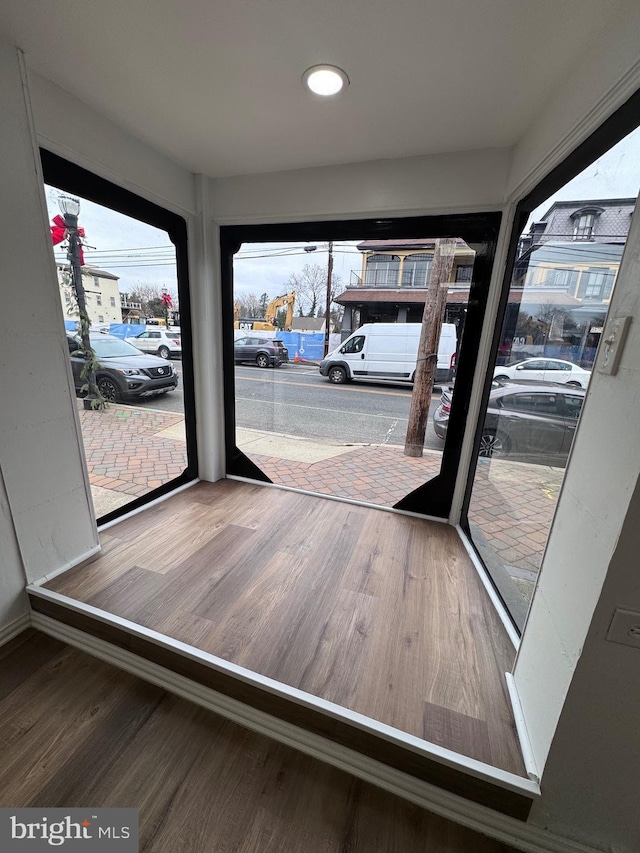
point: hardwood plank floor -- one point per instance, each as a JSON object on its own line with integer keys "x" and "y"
{"x": 381, "y": 613}
{"x": 77, "y": 732}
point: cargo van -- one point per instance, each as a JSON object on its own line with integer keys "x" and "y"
{"x": 387, "y": 351}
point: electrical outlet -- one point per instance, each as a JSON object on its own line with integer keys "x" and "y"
{"x": 612, "y": 344}
{"x": 625, "y": 628}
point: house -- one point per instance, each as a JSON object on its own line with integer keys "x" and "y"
{"x": 391, "y": 285}
{"x": 601, "y": 220}
{"x": 102, "y": 296}
{"x": 193, "y": 116}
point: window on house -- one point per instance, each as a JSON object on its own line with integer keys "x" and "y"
{"x": 416, "y": 270}
{"x": 382, "y": 270}
{"x": 153, "y": 462}
{"x": 562, "y": 278}
{"x": 596, "y": 283}
{"x": 464, "y": 273}
{"x": 583, "y": 228}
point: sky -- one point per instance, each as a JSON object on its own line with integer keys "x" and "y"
{"x": 141, "y": 254}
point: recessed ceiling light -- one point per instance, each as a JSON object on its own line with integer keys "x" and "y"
{"x": 325, "y": 80}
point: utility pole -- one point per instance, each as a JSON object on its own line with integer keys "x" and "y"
{"x": 70, "y": 209}
{"x": 427, "y": 360}
{"x": 327, "y": 313}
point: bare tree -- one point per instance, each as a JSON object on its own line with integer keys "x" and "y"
{"x": 149, "y": 295}
{"x": 248, "y": 305}
{"x": 310, "y": 286}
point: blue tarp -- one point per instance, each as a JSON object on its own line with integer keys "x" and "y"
{"x": 309, "y": 346}
{"x": 126, "y": 330}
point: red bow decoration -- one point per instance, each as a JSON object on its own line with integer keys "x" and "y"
{"x": 166, "y": 300}
{"x": 59, "y": 233}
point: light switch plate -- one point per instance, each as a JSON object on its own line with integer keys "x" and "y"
{"x": 625, "y": 628}
{"x": 615, "y": 334}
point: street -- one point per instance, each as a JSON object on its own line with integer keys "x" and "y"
{"x": 296, "y": 400}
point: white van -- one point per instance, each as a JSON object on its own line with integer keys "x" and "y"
{"x": 387, "y": 351}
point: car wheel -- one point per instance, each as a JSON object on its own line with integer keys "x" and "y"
{"x": 262, "y": 360}
{"x": 494, "y": 444}
{"x": 337, "y": 375}
{"x": 574, "y": 385}
{"x": 108, "y": 389}
{"x": 501, "y": 378}
{"x": 164, "y": 352}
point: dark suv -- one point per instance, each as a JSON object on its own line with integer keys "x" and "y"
{"x": 125, "y": 373}
{"x": 265, "y": 352}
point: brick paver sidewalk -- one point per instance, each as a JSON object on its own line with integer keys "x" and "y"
{"x": 126, "y": 450}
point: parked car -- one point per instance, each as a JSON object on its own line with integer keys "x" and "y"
{"x": 545, "y": 370}
{"x": 265, "y": 352}
{"x": 125, "y": 373}
{"x": 166, "y": 343}
{"x": 534, "y": 421}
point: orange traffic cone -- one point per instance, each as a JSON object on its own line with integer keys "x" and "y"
{"x": 297, "y": 358}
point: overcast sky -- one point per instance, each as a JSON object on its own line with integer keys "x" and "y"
{"x": 139, "y": 253}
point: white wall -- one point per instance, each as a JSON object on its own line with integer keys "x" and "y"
{"x": 40, "y": 451}
{"x": 72, "y": 129}
{"x": 604, "y": 78}
{"x": 13, "y": 599}
{"x": 459, "y": 182}
{"x": 565, "y": 670}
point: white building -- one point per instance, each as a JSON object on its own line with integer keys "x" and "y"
{"x": 101, "y": 294}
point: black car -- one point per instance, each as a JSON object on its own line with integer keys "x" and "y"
{"x": 265, "y": 352}
{"x": 125, "y": 373}
{"x": 531, "y": 421}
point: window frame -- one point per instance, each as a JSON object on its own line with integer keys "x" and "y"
{"x": 625, "y": 120}
{"x": 478, "y": 230}
{"x": 74, "y": 179}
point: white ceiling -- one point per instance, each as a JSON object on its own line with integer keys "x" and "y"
{"x": 215, "y": 84}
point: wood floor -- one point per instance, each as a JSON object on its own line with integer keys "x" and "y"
{"x": 76, "y": 732}
{"x": 381, "y": 613}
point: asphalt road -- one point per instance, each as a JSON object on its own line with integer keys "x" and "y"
{"x": 296, "y": 400}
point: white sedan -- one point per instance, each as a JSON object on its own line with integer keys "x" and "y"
{"x": 544, "y": 370}
{"x": 159, "y": 341}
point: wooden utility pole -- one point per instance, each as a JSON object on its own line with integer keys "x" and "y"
{"x": 327, "y": 311}
{"x": 432, "y": 317}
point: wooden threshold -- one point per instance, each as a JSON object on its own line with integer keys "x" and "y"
{"x": 380, "y": 613}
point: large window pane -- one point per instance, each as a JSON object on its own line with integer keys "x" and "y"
{"x": 567, "y": 261}
{"x": 337, "y": 425}
{"x": 121, "y": 275}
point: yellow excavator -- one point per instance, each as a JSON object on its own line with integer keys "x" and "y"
{"x": 253, "y": 324}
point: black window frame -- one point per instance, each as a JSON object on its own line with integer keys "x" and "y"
{"x": 74, "y": 179}
{"x": 478, "y": 230}
{"x": 624, "y": 121}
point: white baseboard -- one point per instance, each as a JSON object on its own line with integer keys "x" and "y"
{"x": 523, "y": 836}
{"x": 15, "y": 627}
{"x": 70, "y": 565}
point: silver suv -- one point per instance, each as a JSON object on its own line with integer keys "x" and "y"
{"x": 265, "y": 352}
